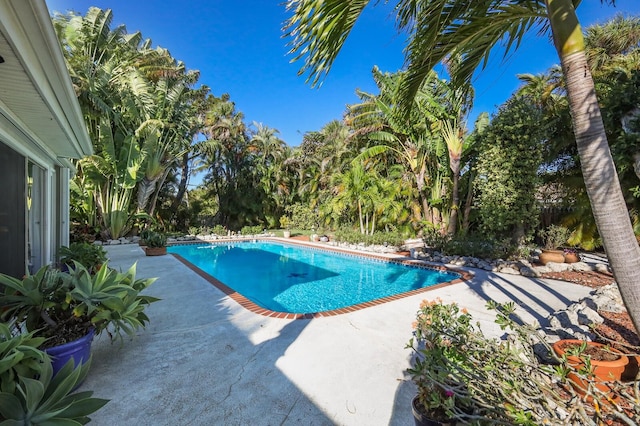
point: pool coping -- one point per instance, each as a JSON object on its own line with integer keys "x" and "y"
{"x": 253, "y": 307}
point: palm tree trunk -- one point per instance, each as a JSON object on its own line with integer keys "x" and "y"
{"x": 182, "y": 186}
{"x": 154, "y": 200}
{"x": 360, "y": 216}
{"x": 146, "y": 187}
{"x": 468, "y": 204}
{"x": 455, "y": 203}
{"x": 598, "y": 169}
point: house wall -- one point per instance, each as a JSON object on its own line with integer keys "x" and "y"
{"x": 41, "y": 129}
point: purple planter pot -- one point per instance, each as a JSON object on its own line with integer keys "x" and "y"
{"x": 79, "y": 350}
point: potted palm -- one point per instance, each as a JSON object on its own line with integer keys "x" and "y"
{"x": 69, "y": 308}
{"x": 554, "y": 237}
{"x": 156, "y": 244}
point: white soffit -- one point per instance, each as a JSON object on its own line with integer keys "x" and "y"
{"x": 36, "y": 94}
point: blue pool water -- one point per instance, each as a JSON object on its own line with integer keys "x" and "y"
{"x": 286, "y": 278}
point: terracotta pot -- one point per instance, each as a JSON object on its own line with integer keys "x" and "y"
{"x": 422, "y": 419}
{"x": 602, "y": 371}
{"x": 551, "y": 256}
{"x": 631, "y": 369}
{"x": 155, "y": 251}
{"x": 571, "y": 258}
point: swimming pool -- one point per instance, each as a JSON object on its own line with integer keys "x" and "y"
{"x": 297, "y": 279}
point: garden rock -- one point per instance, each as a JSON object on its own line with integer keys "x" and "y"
{"x": 581, "y": 266}
{"x": 527, "y": 271}
{"x": 601, "y": 267}
{"x": 510, "y": 270}
{"x": 558, "y": 267}
{"x": 562, "y": 319}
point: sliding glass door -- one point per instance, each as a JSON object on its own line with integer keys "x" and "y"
{"x": 13, "y": 176}
{"x": 36, "y": 217}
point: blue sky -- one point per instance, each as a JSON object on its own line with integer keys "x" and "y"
{"x": 239, "y": 49}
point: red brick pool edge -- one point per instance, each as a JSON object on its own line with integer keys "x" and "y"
{"x": 252, "y": 307}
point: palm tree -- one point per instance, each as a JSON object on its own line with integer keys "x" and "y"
{"x": 409, "y": 139}
{"x": 438, "y": 29}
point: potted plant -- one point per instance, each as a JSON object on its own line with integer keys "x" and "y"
{"x": 466, "y": 377}
{"x": 571, "y": 255}
{"x": 591, "y": 363}
{"x": 285, "y": 224}
{"x": 91, "y": 256}
{"x": 554, "y": 237}
{"x": 156, "y": 244}
{"x": 441, "y": 332}
{"x": 144, "y": 234}
{"x": 69, "y": 308}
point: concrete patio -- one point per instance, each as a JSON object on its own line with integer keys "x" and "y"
{"x": 205, "y": 360}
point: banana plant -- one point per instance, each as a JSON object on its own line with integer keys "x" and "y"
{"x": 114, "y": 173}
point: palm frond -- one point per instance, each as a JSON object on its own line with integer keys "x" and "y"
{"x": 318, "y": 30}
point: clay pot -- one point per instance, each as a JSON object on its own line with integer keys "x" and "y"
{"x": 571, "y": 258}
{"x": 631, "y": 369}
{"x": 547, "y": 256}
{"x": 603, "y": 371}
{"x": 155, "y": 251}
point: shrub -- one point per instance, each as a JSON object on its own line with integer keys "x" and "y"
{"x": 511, "y": 154}
{"x": 156, "y": 239}
{"x": 89, "y": 255}
{"x": 285, "y": 222}
{"x": 251, "y": 230}
{"x": 355, "y": 237}
{"x": 302, "y": 217}
{"x": 219, "y": 230}
{"x": 144, "y": 234}
{"x": 481, "y": 247}
{"x": 554, "y": 236}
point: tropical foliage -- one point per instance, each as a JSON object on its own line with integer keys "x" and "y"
{"x": 440, "y": 30}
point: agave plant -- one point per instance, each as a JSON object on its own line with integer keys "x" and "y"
{"x": 19, "y": 356}
{"x": 47, "y": 399}
{"x": 65, "y": 306}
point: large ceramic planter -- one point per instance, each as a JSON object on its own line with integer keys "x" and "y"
{"x": 571, "y": 257}
{"x": 422, "y": 419}
{"x": 79, "y": 350}
{"x": 603, "y": 371}
{"x": 155, "y": 251}
{"x": 286, "y": 234}
{"x": 547, "y": 256}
